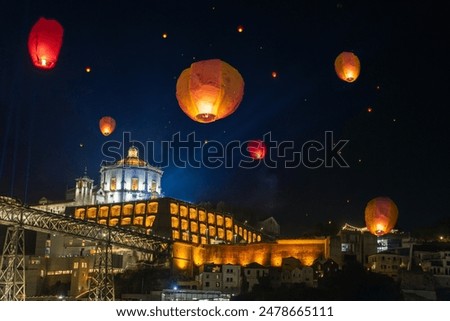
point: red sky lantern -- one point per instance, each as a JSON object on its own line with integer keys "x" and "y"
{"x": 256, "y": 149}
{"x": 107, "y": 125}
{"x": 381, "y": 215}
{"x": 44, "y": 43}
{"x": 209, "y": 90}
{"x": 347, "y": 66}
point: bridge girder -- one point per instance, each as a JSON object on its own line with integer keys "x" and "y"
{"x": 15, "y": 214}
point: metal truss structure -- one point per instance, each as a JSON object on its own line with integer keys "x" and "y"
{"x": 32, "y": 219}
{"x": 12, "y": 266}
{"x": 101, "y": 283}
{"x": 18, "y": 217}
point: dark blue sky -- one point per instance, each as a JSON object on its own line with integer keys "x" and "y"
{"x": 403, "y": 48}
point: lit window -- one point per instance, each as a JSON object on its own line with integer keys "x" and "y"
{"x": 134, "y": 184}
{"x": 346, "y": 247}
{"x": 75, "y": 265}
{"x": 113, "y": 184}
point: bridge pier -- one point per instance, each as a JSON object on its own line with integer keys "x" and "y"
{"x": 101, "y": 283}
{"x": 12, "y": 265}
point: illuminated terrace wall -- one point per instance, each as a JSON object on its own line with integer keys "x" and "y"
{"x": 185, "y": 256}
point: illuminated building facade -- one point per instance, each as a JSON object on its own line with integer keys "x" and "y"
{"x": 325, "y": 268}
{"x": 435, "y": 261}
{"x": 202, "y": 236}
{"x": 174, "y": 219}
{"x": 225, "y": 278}
{"x": 389, "y": 262}
{"x": 253, "y": 272}
{"x": 353, "y": 244}
{"x": 358, "y": 244}
{"x": 129, "y": 179}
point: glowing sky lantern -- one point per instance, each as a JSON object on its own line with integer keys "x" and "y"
{"x": 381, "y": 215}
{"x": 209, "y": 90}
{"x": 107, "y": 125}
{"x": 256, "y": 149}
{"x": 44, "y": 43}
{"x": 347, "y": 66}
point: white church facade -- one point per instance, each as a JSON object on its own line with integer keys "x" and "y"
{"x": 129, "y": 179}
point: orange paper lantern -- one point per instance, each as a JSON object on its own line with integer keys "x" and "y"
{"x": 256, "y": 149}
{"x": 44, "y": 43}
{"x": 209, "y": 90}
{"x": 381, "y": 215}
{"x": 347, "y": 66}
{"x": 107, "y": 125}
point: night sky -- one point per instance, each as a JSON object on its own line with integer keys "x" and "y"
{"x": 49, "y": 119}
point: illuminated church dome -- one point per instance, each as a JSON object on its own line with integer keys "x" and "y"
{"x": 129, "y": 179}
{"x": 133, "y": 158}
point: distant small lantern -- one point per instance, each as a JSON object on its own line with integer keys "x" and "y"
{"x": 209, "y": 90}
{"x": 381, "y": 215}
{"x": 44, "y": 43}
{"x": 256, "y": 149}
{"x": 347, "y": 66}
{"x": 107, "y": 125}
